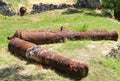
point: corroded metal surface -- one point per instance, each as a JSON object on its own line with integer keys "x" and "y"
{"x": 55, "y": 36}
{"x": 43, "y": 36}
{"x": 97, "y": 35}
{"x": 43, "y": 56}
{"x": 17, "y": 46}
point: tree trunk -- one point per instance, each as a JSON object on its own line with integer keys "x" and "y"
{"x": 117, "y": 14}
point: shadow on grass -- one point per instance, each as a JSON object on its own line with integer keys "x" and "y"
{"x": 93, "y": 13}
{"x": 29, "y": 61}
{"x": 72, "y": 11}
{"x": 71, "y": 77}
{"x": 90, "y": 13}
{"x": 11, "y": 73}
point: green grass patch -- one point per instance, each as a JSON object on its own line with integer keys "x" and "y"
{"x": 112, "y": 64}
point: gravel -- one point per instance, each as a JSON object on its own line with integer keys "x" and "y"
{"x": 114, "y": 52}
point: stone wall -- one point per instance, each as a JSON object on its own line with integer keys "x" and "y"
{"x": 88, "y": 3}
{"x": 38, "y": 8}
{"x": 94, "y": 3}
{"x": 4, "y": 10}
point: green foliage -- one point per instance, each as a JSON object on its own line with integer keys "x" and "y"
{"x": 84, "y": 28}
{"x": 111, "y": 4}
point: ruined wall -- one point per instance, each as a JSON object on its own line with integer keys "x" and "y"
{"x": 4, "y": 10}
{"x": 94, "y": 3}
{"x": 88, "y": 3}
{"x": 38, "y": 8}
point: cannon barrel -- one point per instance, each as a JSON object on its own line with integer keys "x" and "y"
{"x": 56, "y": 36}
{"x": 43, "y": 56}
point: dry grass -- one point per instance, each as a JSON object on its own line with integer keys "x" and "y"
{"x": 52, "y": 1}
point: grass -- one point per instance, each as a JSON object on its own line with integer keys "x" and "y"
{"x": 52, "y": 1}
{"x": 16, "y": 3}
{"x": 91, "y": 52}
{"x": 111, "y": 64}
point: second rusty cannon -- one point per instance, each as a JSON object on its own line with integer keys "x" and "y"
{"x": 43, "y": 56}
{"x": 56, "y": 36}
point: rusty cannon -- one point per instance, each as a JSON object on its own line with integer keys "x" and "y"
{"x": 43, "y": 56}
{"x": 56, "y": 36}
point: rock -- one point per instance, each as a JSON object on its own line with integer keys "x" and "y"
{"x": 2, "y": 3}
{"x": 4, "y": 10}
{"x": 114, "y": 52}
{"x": 59, "y": 6}
{"x": 55, "y": 6}
{"x": 38, "y": 8}
{"x": 51, "y": 7}
{"x": 64, "y": 5}
{"x": 87, "y": 4}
